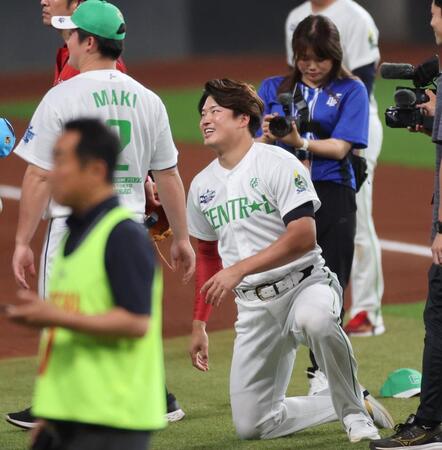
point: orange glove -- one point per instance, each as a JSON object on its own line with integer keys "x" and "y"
{"x": 156, "y": 219}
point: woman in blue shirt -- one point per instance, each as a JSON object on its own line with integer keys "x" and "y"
{"x": 337, "y": 114}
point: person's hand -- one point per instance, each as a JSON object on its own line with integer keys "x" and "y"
{"x": 268, "y": 136}
{"x": 429, "y": 108}
{"x": 183, "y": 258}
{"x": 293, "y": 139}
{"x": 215, "y": 289}
{"x": 419, "y": 129}
{"x": 436, "y": 249}
{"x": 150, "y": 189}
{"x": 33, "y": 311}
{"x": 199, "y": 346}
{"x": 35, "y": 432}
{"x": 22, "y": 261}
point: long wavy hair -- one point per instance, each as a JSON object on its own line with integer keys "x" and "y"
{"x": 319, "y": 35}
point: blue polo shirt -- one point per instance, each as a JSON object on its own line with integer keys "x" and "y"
{"x": 342, "y": 110}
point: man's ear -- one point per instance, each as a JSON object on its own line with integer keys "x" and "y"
{"x": 245, "y": 120}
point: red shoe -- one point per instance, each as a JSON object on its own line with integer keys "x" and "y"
{"x": 360, "y": 325}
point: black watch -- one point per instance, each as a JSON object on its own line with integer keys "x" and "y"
{"x": 439, "y": 227}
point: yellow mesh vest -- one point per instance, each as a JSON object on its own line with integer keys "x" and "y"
{"x": 115, "y": 382}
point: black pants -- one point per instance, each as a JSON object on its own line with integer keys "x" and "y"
{"x": 336, "y": 228}
{"x": 335, "y": 231}
{"x": 430, "y": 408}
{"x": 76, "y": 436}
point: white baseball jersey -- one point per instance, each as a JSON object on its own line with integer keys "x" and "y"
{"x": 133, "y": 111}
{"x": 359, "y": 39}
{"x": 358, "y": 32}
{"x": 243, "y": 208}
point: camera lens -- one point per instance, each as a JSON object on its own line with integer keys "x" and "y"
{"x": 280, "y": 126}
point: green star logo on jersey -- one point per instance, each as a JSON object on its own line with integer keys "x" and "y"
{"x": 255, "y": 206}
{"x": 254, "y": 182}
{"x": 300, "y": 182}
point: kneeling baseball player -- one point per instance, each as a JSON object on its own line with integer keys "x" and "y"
{"x": 256, "y": 206}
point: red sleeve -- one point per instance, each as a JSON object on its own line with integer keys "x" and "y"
{"x": 208, "y": 263}
{"x": 121, "y": 66}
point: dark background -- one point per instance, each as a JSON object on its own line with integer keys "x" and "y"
{"x": 177, "y": 29}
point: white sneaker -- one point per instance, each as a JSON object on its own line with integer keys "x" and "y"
{"x": 317, "y": 380}
{"x": 381, "y": 417}
{"x": 175, "y": 416}
{"x": 359, "y": 427}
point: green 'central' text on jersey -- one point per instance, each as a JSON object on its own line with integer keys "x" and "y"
{"x": 237, "y": 209}
{"x": 243, "y": 208}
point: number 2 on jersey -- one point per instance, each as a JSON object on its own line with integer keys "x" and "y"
{"x": 125, "y": 133}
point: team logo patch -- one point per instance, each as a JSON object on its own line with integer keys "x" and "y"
{"x": 254, "y": 182}
{"x": 300, "y": 182}
{"x": 372, "y": 40}
{"x": 333, "y": 100}
{"x": 29, "y": 135}
{"x": 207, "y": 197}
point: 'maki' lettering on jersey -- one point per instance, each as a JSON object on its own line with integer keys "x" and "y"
{"x": 113, "y": 97}
{"x": 237, "y": 209}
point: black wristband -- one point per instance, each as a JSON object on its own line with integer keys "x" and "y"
{"x": 439, "y": 227}
{"x": 301, "y": 154}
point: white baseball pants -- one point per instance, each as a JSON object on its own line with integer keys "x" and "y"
{"x": 268, "y": 335}
{"x": 366, "y": 277}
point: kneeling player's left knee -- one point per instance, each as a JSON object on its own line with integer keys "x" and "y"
{"x": 320, "y": 326}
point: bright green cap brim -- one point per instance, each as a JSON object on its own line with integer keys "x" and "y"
{"x": 97, "y": 17}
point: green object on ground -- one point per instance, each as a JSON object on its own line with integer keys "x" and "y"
{"x": 205, "y": 396}
{"x": 402, "y": 383}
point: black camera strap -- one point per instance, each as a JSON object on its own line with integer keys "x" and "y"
{"x": 307, "y": 125}
{"x": 300, "y": 105}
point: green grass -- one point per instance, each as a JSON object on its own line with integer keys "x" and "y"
{"x": 204, "y": 396}
{"x": 400, "y": 147}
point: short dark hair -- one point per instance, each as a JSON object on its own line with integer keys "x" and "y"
{"x": 236, "y": 95}
{"x": 438, "y": 3}
{"x": 97, "y": 141}
{"x": 108, "y": 48}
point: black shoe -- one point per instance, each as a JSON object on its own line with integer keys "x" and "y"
{"x": 412, "y": 436}
{"x": 174, "y": 411}
{"x": 22, "y": 419}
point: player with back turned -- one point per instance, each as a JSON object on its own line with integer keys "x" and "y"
{"x": 63, "y": 72}
{"x": 99, "y": 91}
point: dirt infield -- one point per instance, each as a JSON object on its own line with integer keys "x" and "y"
{"x": 402, "y": 200}
{"x": 402, "y": 213}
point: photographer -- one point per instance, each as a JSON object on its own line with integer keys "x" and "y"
{"x": 424, "y": 430}
{"x": 337, "y": 123}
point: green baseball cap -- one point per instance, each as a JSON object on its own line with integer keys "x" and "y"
{"x": 402, "y": 383}
{"x": 96, "y": 17}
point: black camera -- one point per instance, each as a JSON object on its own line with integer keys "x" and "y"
{"x": 281, "y": 126}
{"x": 406, "y": 114}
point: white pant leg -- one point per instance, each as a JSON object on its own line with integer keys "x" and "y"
{"x": 316, "y": 318}
{"x": 366, "y": 277}
{"x": 263, "y": 357}
{"x": 57, "y": 228}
